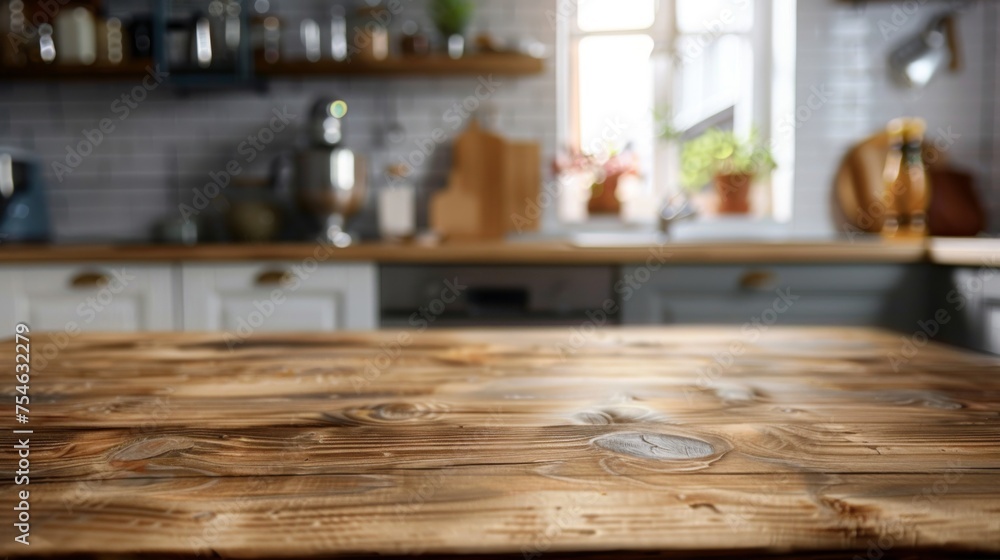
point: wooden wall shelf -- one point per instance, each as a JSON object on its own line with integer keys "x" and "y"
{"x": 429, "y": 66}
{"x": 433, "y": 65}
{"x": 57, "y": 72}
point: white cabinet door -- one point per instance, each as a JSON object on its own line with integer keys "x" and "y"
{"x": 279, "y": 297}
{"x": 118, "y": 297}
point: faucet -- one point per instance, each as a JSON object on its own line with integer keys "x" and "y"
{"x": 677, "y": 209}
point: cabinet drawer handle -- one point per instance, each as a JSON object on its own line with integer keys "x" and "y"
{"x": 274, "y": 278}
{"x": 89, "y": 280}
{"x": 758, "y": 280}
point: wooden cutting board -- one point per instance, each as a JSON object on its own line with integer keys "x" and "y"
{"x": 623, "y": 443}
{"x": 955, "y": 209}
{"x": 491, "y": 189}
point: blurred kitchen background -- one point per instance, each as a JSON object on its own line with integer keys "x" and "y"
{"x": 598, "y": 76}
{"x": 253, "y": 165}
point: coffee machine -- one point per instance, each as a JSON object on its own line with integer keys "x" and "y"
{"x": 24, "y": 212}
{"x": 331, "y": 180}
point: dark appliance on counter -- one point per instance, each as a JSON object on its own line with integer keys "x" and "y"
{"x": 24, "y": 213}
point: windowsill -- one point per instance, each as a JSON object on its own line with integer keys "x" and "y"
{"x": 614, "y": 232}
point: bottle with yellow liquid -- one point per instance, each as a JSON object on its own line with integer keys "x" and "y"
{"x": 891, "y": 183}
{"x": 906, "y": 196}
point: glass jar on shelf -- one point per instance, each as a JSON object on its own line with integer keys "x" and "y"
{"x": 371, "y": 35}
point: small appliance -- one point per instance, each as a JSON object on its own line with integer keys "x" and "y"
{"x": 332, "y": 180}
{"x": 24, "y": 213}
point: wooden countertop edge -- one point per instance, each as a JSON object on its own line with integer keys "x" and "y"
{"x": 969, "y": 252}
{"x": 484, "y": 253}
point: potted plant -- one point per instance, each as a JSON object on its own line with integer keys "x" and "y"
{"x": 604, "y": 173}
{"x": 732, "y": 162}
{"x": 451, "y": 17}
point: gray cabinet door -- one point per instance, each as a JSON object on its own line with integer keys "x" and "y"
{"x": 850, "y": 295}
{"x": 971, "y": 299}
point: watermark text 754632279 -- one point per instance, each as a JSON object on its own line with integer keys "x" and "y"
{"x": 22, "y": 374}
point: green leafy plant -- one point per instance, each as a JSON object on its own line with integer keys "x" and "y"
{"x": 451, "y": 17}
{"x": 720, "y": 152}
{"x": 663, "y": 120}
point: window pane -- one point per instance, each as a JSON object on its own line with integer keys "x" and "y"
{"x": 615, "y": 15}
{"x": 616, "y": 93}
{"x": 714, "y": 17}
{"x": 713, "y": 77}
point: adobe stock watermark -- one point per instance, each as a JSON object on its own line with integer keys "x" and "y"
{"x": 265, "y": 308}
{"x": 751, "y": 504}
{"x": 614, "y": 129}
{"x": 213, "y": 525}
{"x": 565, "y": 10}
{"x": 894, "y": 529}
{"x": 455, "y": 117}
{"x": 865, "y": 219}
{"x": 420, "y": 320}
{"x": 561, "y": 519}
{"x": 108, "y": 287}
{"x": 625, "y": 289}
{"x": 86, "y": 494}
{"x": 24, "y": 32}
{"x": 380, "y": 17}
{"x": 750, "y": 332}
{"x": 711, "y": 30}
{"x": 121, "y": 108}
{"x": 904, "y": 12}
{"x": 248, "y": 151}
{"x": 816, "y": 100}
{"x": 957, "y": 301}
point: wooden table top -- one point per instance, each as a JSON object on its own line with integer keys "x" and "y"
{"x": 814, "y": 441}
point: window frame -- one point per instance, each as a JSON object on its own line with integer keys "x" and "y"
{"x": 574, "y": 35}
{"x": 666, "y": 36}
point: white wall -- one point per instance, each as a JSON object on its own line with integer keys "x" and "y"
{"x": 843, "y": 49}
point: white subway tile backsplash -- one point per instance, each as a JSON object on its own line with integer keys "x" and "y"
{"x": 170, "y": 142}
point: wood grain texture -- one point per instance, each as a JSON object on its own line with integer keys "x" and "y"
{"x": 627, "y": 442}
{"x": 488, "y": 252}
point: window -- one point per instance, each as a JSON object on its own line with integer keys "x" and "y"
{"x": 706, "y": 61}
{"x": 612, "y": 81}
{"x": 714, "y": 64}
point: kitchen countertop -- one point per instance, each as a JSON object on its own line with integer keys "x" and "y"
{"x": 974, "y": 252}
{"x": 552, "y": 252}
{"x": 528, "y": 442}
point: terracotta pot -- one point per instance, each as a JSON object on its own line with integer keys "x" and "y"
{"x": 604, "y": 196}
{"x": 734, "y": 193}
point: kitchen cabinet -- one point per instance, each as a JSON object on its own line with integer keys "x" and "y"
{"x": 73, "y": 298}
{"x": 765, "y": 295}
{"x": 993, "y": 328}
{"x": 460, "y": 296}
{"x": 242, "y": 299}
{"x": 969, "y": 298}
